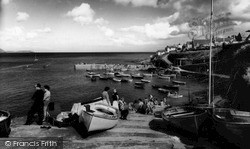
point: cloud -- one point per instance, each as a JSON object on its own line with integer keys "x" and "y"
{"x": 22, "y": 16}
{"x": 5, "y": 2}
{"x": 240, "y": 10}
{"x": 101, "y": 21}
{"x": 82, "y": 14}
{"x": 140, "y": 3}
{"x": 18, "y": 33}
{"x": 107, "y": 31}
{"x": 160, "y": 29}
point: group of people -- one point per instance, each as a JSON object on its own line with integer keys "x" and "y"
{"x": 147, "y": 105}
{"x": 117, "y": 102}
{"x": 41, "y": 100}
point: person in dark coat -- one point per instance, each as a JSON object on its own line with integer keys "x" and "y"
{"x": 37, "y": 106}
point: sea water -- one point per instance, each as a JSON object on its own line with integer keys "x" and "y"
{"x": 19, "y": 73}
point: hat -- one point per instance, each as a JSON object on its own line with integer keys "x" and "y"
{"x": 38, "y": 85}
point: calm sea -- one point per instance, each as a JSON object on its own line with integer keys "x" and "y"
{"x": 67, "y": 85}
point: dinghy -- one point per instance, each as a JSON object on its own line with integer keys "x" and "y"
{"x": 116, "y": 80}
{"x": 99, "y": 117}
{"x": 186, "y": 118}
{"x": 178, "y": 82}
{"x": 4, "y": 123}
{"x": 146, "y": 81}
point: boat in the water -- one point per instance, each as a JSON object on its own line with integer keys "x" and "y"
{"x": 103, "y": 78}
{"x": 178, "y": 82}
{"x": 174, "y": 95}
{"x": 99, "y": 117}
{"x": 189, "y": 119}
{"x": 137, "y": 76}
{"x": 233, "y": 125}
{"x": 139, "y": 83}
{"x": 140, "y": 86}
{"x": 5, "y": 120}
{"x": 116, "y": 80}
{"x": 163, "y": 90}
{"x": 147, "y": 75}
{"x": 125, "y": 75}
{"x": 145, "y": 80}
{"x": 171, "y": 87}
{"x": 164, "y": 77}
{"x": 126, "y": 80}
{"x": 157, "y": 86}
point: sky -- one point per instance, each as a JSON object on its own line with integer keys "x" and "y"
{"x": 109, "y": 25}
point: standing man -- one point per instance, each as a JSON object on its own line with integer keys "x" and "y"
{"x": 37, "y": 106}
{"x": 46, "y": 101}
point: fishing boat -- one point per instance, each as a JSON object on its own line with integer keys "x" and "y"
{"x": 125, "y": 75}
{"x": 171, "y": 87}
{"x": 126, "y": 80}
{"x": 147, "y": 75}
{"x": 145, "y": 80}
{"x": 99, "y": 117}
{"x": 103, "y": 78}
{"x": 189, "y": 119}
{"x": 178, "y": 82}
{"x": 174, "y": 95}
{"x": 163, "y": 90}
{"x": 164, "y": 77}
{"x": 5, "y": 121}
{"x": 137, "y": 76}
{"x": 233, "y": 125}
{"x": 156, "y": 86}
{"x": 139, "y": 86}
{"x": 116, "y": 80}
{"x": 139, "y": 83}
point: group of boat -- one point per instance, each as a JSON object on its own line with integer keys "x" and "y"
{"x": 230, "y": 124}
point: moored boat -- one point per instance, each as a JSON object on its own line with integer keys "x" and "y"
{"x": 174, "y": 95}
{"x": 164, "y": 77}
{"x": 178, "y": 82}
{"x": 147, "y": 75}
{"x": 139, "y": 83}
{"x": 137, "y": 76}
{"x": 116, "y": 80}
{"x": 5, "y": 121}
{"x": 145, "y": 80}
{"x": 125, "y": 75}
{"x": 139, "y": 86}
{"x": 103, "y": 78}
{"x": 233, "y": 125}
{"x": 163, "y": 90}
{"x": 171, "y": 87}
{"x": 157, "y": 86}
{"x": 190, "y": 119}
{"x": 99, "y": 117}
{"x": 126, "y": 80}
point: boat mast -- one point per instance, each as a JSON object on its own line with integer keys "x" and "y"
{"x": 210, "y": 57}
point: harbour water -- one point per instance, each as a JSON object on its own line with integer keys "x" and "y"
{"x": 19, "y": 73}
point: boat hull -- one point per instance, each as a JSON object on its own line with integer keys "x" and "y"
{"x": 5, "y": 124}
{"x": 96, "y": 120}
{"x": 190, "y": 121}
{"x": 235, "y": 129}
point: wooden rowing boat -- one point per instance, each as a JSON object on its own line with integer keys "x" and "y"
{"x": 5, "y": 121}
{"x": 189, "y": 119}
{"x": 99, "y": 117}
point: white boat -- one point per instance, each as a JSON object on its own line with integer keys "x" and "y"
{"x": 178, "y": 82}
{"x": 174, "y": 95}
{"x": 163, "y": 90}
{"x": 5, "y": 121}
{"x": 125, "y": 75}
{"x": 116, "y": 80}
{"x": 126, "y": 80}
{"x": 164, "y": 77}
{"x": 147, "y": 75}
{"x": 146, "y": 81}
{"x": 99, "y": 117}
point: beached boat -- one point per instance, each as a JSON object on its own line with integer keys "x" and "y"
{"x": 164, "y": 77}
{"x": 163, "y": 90}
{"x": 99, "y": 117}
{"x": 233, "y": 125}
{"x": 145, "y": 80}
{"x": 178, "y": 82}
{"x": 5, "y": 121}
{"x": 171, "y": 87}
{"x": 116, "y": 80}
{"x": 174, "y": 95}
{"x": 126, "y": 80}
{"x": 190, "y": 119}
